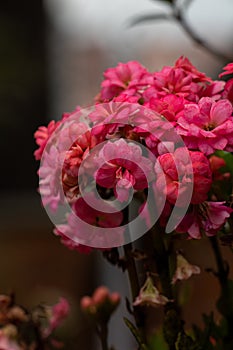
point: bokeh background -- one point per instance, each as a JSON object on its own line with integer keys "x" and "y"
{"x": 53, "y": 54}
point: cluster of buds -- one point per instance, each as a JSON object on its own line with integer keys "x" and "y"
{"x": 100, "y": 305}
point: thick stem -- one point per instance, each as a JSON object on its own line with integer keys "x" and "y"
{"x": 132, "y": 271}
{"x": 222, "y": 270}
{"x": 139, "y": 314}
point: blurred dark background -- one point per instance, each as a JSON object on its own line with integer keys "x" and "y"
{"x": 33, "y": 263}
{"x": 52, "y": 59}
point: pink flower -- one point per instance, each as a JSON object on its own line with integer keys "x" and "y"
{"x": 228, "y": 91}
{"x": 228, "y": 70}
{"x": 99, "y": 299}
{"x": 206, "y": 218}
{"x": 189, "y": 68}
{"x": 68, "y": 242}
{"x": 55, "y": 154}
{"x": 198, "y": 166}
{"x": 126, "y": 76}
{"x": 172, "y": 80}
{"x": 217, "y": 164}
{"x": 101, "y": 304}
{"x": 207, "y": 126}
{"x": 124, "y": 167}
{"x": 214, "y": 90}
{"x": 57, "y": 314}
{"x": 168, "y": 106}
{"x": 42, "y": 135}
{"x": 7, "y": 344}
{"x": 184, "y": 270}
{"x": 149, "y": 295}
{"x": 74, "y": 231}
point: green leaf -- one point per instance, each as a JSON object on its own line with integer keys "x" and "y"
{"x": 157, "y": 341}
{"x": 136, "y": 334}
{"x": 150, "y": 18}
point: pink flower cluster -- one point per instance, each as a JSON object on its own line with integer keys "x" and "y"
{"x": 135, "y": 135}
{"x": 22, "y": 329}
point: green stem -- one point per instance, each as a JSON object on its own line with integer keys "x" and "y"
{"x": 225, "y": 302}
{"x": 139, "y": 314}
{"x": 172, "y": 322}
{"x": 132, "y": 271}
{"x": 222, "y": 271}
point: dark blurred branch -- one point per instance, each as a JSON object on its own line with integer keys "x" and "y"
{"x": 178, "y": 13}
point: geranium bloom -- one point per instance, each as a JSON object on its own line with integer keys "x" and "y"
{"x": 207, "y": 126}
{"x": 184, "y": 269}
{"x": 197, "y": 166}
{"x": 123, "y": 167}
{"x": 149, "y": 295}
{"x": 206, "y": 218}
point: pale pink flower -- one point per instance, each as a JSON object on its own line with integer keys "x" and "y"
{"x": 206, "y": 218}
{"x": 49, "y": 171}
{"x": 197, "y": 166}
{"x": 207, "y": 126}
{"x": 124, "y": 167}
{"x": 7, "y": 344}
{"x": 74, "y": 231}
{"x": 184, "y": 270}
{"x": 149, "y": 295}
{"x": 126, "y": 76}
{"x": 55, "y": 153}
